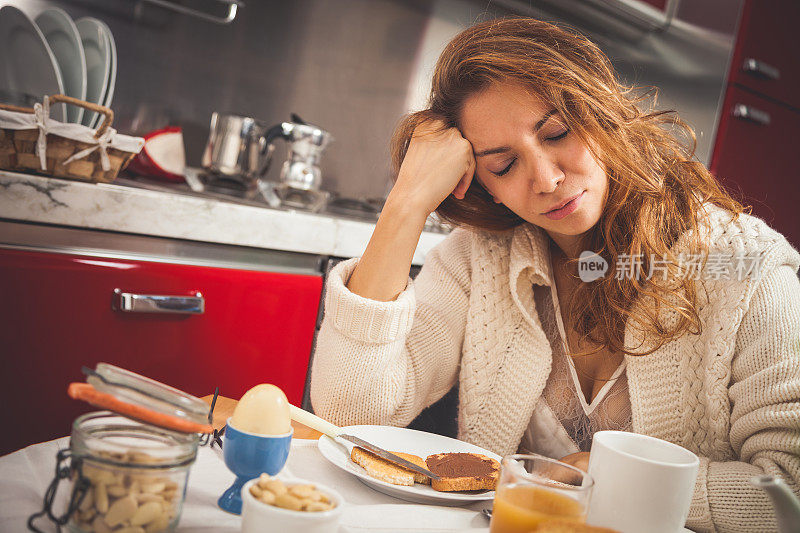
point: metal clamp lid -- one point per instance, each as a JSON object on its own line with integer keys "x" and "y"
{"x": 81, "y": 488}
{"x": 141, "y": 398}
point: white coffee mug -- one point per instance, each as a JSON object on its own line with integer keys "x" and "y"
{"x": 640, "y": 483}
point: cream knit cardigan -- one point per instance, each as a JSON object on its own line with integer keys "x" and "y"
{"x": 730, "y": 394}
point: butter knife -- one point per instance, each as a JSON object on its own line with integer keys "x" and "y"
{"x": 335, "y": 432}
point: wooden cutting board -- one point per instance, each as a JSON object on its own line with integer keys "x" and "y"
{"x": 224, "y": 407}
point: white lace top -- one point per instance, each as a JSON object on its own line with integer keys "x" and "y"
{"x": 562, "y": 422}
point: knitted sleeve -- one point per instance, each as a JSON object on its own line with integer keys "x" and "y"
{"x": 765, "y": 417}
{"x": 383, "y": 362}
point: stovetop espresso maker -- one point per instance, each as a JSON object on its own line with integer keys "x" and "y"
{"x": 239, "y": 149}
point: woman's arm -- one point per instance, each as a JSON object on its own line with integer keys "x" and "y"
{"x": 765, "y": 418}
{"x": 382, "y": 272}
{"x": 383, "y": 362}
{"x": 439, "y": 162}
{"x": 387, "y": 348}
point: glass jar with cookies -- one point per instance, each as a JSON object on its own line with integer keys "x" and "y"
{"x": 134, "y": 474}
{"x": 127, "y": 466}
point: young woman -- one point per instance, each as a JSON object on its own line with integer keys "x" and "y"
{"x": 549, "y": 170}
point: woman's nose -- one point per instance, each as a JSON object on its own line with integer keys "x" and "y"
{"x": 544, "y": 174}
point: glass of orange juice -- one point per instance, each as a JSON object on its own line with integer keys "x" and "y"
{"x": 534, "y": 489}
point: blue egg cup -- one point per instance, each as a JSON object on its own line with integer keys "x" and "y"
{"x": 248, "y": 456}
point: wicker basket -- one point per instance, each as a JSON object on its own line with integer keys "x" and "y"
{"x": 18, "y": 147}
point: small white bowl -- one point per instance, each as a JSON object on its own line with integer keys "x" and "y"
{"x": 258, "y": 516}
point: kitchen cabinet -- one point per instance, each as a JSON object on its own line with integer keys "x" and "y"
{"x": 754, "y": 154}
{"x": 765, "y": 57}
{"x": 59, "y": 311}
{"x": 756, "y": 158}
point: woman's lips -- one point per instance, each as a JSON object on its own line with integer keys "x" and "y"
{"x": 568, "y": 208}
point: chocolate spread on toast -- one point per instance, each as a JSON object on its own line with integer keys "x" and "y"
{"x": 460, "y": 465}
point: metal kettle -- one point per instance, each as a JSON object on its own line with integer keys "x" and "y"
{"x": 240, "y": 149}
{"x": 786, "y": 503}
{"x": 237, "y": 148}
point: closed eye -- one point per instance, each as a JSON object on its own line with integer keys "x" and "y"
{"x": 558, "y": 137}
{"x": 505, "y": 170}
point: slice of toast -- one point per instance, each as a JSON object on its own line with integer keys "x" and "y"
{"x": 568, "y": 526}
{"x": 386, "y": 471}
{"x": 463, "y": 471}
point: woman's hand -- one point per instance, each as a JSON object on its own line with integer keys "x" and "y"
{"x": 439, "y": 162}
{"x": 578, "y": 460}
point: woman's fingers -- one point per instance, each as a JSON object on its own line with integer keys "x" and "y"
{"x": 578, "y": 460}
{"x": 463, "y": 184}
{"x": 439, "y": 162}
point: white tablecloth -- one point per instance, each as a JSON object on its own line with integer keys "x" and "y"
{"x": 25, "y": 474}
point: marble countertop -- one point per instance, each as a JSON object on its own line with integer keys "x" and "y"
{"x": 141, "y": 211}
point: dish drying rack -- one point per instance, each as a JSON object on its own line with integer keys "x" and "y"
{"x": 233, "y": 7}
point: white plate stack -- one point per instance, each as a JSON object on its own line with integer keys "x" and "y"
{"x": 54, "y": 55}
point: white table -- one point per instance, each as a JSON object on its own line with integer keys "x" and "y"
{"x": 25, "y": 474}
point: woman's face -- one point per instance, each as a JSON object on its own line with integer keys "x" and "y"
{"x": 529, "y": 161}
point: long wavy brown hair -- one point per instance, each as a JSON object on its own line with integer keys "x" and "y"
{"x": 656, "y": 186}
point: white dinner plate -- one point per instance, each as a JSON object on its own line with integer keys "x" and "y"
{"x": 28, "y": 69}
{"x": 64, "y": 40}
{"x": 112, "y": 71}
{"x": 408, "y": 441}
{"x": 98, "y": 63}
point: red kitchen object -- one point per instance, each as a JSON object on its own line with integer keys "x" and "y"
{"x": 163, "y": 155}
{"x": 765, "y": 57}
{"x": 60, "y": 312}
{"x": 756, "y": 158}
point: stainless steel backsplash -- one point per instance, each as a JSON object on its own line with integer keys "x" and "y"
{"x": 354, "y": 67}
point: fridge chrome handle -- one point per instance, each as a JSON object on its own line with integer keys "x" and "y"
{"x": 746, "y": 112}
{"x": 757, "y": 68}
{"x": 128, "y": 302}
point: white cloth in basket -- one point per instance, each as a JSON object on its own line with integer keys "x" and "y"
{"x": 39, "y": 119}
